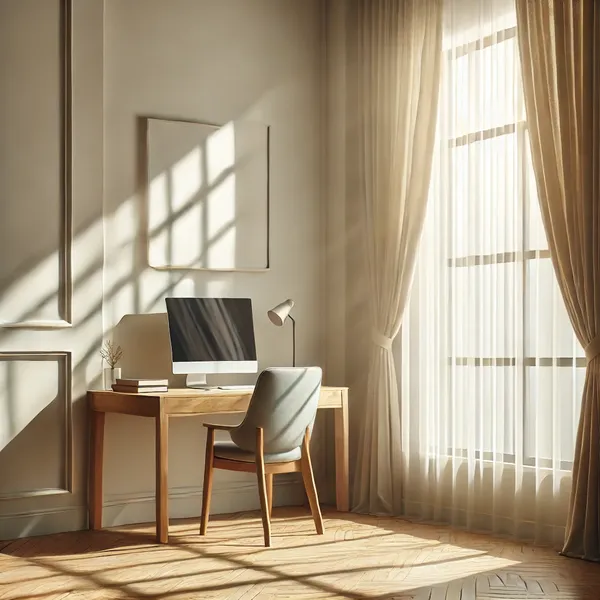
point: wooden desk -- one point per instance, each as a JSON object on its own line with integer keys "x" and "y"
{"x": 188, "y": 403}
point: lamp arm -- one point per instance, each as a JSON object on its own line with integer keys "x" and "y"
{"x": 293, "y": 339}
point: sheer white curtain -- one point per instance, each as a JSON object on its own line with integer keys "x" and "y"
{"x": 492, "y": 374}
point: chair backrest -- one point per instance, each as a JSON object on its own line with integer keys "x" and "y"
{"x": 284, "y": 404}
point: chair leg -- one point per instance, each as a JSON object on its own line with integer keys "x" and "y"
{"x": 269, "y": 479}
{"x": 262, "y": 485}
{"x": 309, "y": 485}
{"x": 208, "y": 479}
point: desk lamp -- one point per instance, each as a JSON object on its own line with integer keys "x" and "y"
{"x": 278, "y": 315}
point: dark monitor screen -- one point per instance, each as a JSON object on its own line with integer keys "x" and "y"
{"x": 211, "y": 330}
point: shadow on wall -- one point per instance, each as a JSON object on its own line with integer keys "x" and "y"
{"x": 146, "y": 349}
{"x": 123, "y": 284}
{"x": 209, "y": 186}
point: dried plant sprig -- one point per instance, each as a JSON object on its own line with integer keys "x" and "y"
{"x": 111, "y": 354}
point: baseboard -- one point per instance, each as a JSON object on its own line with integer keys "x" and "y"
{"x": 125, "y": 509}
{"x": 42, "y": 522}
{"x": 186, "y": 502}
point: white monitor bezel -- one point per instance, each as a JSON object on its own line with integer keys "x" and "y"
{"x": 215, "y": 367}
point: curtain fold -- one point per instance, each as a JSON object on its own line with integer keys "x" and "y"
{"x": 560, "y": 54}
{"x": 399, "y": 54}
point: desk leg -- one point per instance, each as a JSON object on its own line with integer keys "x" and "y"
{"x": 342, "y": 500}
{"x": 95, "y": 469}
{"x": 162, "y": 487}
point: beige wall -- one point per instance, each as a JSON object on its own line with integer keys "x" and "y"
{"x": 50, "y": 314}
{"x": 210, "y": 61}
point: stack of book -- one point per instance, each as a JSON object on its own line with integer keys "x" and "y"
{"x": 139, "y": 386}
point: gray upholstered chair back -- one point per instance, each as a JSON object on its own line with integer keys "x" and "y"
{"x": 284, "y": 404}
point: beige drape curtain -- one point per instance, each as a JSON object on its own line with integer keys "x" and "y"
{"x": 559, "y": 43}
{"x": 399, "y": 55}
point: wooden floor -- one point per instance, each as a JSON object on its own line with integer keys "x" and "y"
{"x": 358, "y": 557}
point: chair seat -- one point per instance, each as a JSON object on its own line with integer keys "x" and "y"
{"x": 230, "y": 451}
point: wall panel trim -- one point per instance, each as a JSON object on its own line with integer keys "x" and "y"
{"x": 65, "y": 381}
{"x": 65, "y": 291}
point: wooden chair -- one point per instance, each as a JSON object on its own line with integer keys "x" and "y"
{"x": 272, "y": 438}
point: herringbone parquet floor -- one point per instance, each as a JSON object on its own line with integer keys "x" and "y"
{"x": 358, "y": 557}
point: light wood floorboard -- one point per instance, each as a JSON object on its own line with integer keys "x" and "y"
{"x": 358, "y": 557}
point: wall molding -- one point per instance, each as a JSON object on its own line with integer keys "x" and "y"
{"x": 186, "y": 502}
{"x": 233, "y": 487}
{"x": 40, "y": 512}
{"x": 65, "y": 386}
{"x": 42, "y": 522}
{"x": 132, "y": 509}
{"x": 65, "y": 291}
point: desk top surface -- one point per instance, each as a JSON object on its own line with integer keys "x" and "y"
{"x": 189, "y": 401}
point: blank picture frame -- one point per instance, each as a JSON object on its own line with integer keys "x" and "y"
{"x": 207, "y": 195}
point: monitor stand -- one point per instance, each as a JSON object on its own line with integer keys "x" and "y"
{"x": 197, "y": 381}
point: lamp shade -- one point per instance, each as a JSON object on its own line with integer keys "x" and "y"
{"x": 279, "y": 313}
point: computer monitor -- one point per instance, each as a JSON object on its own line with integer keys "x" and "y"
{"x": 211, "y": 335}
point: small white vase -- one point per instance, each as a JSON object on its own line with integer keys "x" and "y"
{"x": 110, "y": 376}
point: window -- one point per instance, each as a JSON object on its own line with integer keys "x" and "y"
{"x": 499, "y": 372}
